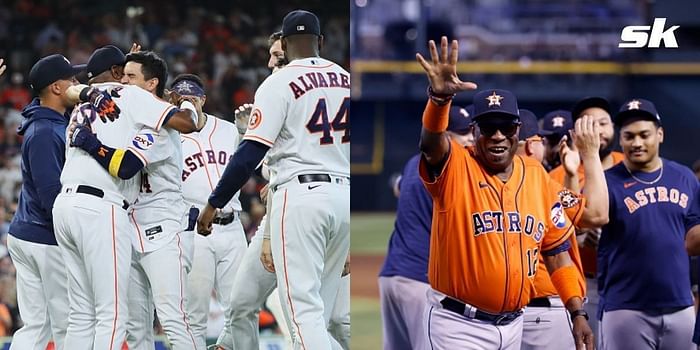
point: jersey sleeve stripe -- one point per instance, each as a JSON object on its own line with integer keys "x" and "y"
{"x": 138, "y": 155}
{"x": 559, "y": 240}
{"x": 258, "y": 139}
{"x": 164, "y": 116}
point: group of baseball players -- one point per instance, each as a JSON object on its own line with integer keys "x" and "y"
{"x": 118, "y": 173}
{"x": 489, "y": 251}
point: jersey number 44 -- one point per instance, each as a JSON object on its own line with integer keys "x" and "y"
{"x": 341, "y": 122}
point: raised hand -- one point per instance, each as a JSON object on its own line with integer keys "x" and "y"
{"x": 569, "y": 156}
{"x": 2, "y": 66}
{"x": 135, "y": 48}
{"x": 587, "y": 135}
{"x": 242, "y": 116}
{"x": 442, "y": 69}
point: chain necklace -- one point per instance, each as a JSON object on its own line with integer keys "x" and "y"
{"x": 661, "y": 173}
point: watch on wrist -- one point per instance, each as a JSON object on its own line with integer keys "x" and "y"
{"x": 577, "y": 313}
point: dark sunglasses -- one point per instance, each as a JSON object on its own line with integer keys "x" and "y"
{"x": 508, "y": 129}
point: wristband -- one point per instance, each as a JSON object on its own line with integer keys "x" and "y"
{"x": 190, "y": 107}
{"x": 577, "y": 313}
{"x": 436, "y": 117}
{"x": 566, "y": 281}
{"x": 439, "y": 99}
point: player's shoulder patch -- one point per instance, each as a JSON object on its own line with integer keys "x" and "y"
{"x": 255, "y": 119}
{"x": 567, "y": 198}
{"x": 557, "y": 215}
{"x": 143, "y": 141}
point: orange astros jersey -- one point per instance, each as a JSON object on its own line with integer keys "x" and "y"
{"x": 487, "y": 235}
{"x": 574, "y": 211}
{"x": 588, "y": 255}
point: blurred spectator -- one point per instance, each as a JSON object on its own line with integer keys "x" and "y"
{"x": 17, "y": 94}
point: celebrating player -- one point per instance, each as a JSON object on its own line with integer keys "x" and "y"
{"x": 301, "y": 115}
{"x": 99, "y": 184}
{"x": 531, "y": 137}
{"x": 217, "y": 256}
{"x": 41, "y": 275}
{"x": 493, "y": 215}
{"x": 645, "y": 299}
{"x": 403, "y": 280}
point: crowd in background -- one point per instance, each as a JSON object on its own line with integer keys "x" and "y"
{"x": 224, "y": 43}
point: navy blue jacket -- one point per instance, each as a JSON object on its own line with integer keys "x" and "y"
{"x": 43, "y": 155}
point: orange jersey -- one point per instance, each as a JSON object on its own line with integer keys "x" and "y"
{"x": 543, "y": 283}
{"x": 588, "y": 254}
{"x": 487, "y": 235}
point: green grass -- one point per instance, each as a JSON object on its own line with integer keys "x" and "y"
{"x": 366, "y": 324}
{"x": 369, "y": 235}
{"x": 369, "y": 232}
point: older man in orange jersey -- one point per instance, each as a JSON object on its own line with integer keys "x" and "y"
{"x": 494, "y": 213}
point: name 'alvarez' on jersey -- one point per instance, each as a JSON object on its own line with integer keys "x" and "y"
{"x": 303, "y": 112}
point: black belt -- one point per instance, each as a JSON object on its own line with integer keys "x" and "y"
{"x": 226, "y": 218}
{"x": 93, "y": 191}
{"x": 314, "y": 178}
{"x": 540, "y": 302}
{"x": 498, "y": 320}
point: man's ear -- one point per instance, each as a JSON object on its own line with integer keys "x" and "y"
{"x": 320, "y": 43}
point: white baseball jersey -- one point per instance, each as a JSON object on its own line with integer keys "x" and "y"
{"x": 205, "y": 156}
{"x": 160, "y": 210}
{"x": 302, "y": 113}
{"x": 139, "y": 109}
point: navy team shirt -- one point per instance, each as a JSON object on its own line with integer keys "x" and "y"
{"x": 642, "y": 261}
{"x": 409, "y": 246}
{"x": 694, "y": 219}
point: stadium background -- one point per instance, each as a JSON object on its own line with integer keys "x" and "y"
{"x": 549, "y": 53}
{"x": 224, "y": 42}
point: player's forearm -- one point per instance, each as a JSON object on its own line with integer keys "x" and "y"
{"x": 183, "y": 121}
{"x": 571, "y": 182}
{"x": 238, "y": 170}
{"x": 595, "y": 214}
{"x": 692, "y": 241}
{"x": 434, "y": 142}
{"x": 565, "y": 278}
{"x": 77, "y": 93}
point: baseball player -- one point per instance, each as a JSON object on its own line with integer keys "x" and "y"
{"x": 545, "y": 318}
{"x": 90, "y": 214}
{"x": 493, "y": 215}
{"x": 556, "y": 124}
{"x": 641, "y": 255}
{"x": 403, "y": 280}
{"x": 692, "y": 245}
{"x": 160, "y": 217}
{"x": 301, "y": 115}
{"x": 531, "y": 137}
{"x": 216, "y": 257}
{"x": 42, "y": 294}
{"x": 573, "y": 178}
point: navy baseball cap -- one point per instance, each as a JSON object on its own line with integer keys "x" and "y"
{"x": 300, "y": 22}
{"x": 589, "y": 102}
{"x": 637, "y": 108}
{"x": 188, "y": 87}
{"x": 103, "y": 59}
{"x": 557, "y": 122}
{"x": 495, "y": 102}
{"x": 529, "y": 126}
{"x": 460, "y": 119}
{"x": 50, "y": 69}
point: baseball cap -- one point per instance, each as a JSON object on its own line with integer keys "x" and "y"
{"x": 589, "y": 102}
{"x": 300, "y": 22}
{"x": 460, "y": 119}
{"x": 637, "y": 108}
{"x": 187, "y": 87}
{"x": 557, "y": 122}
{"x": 529, "y": 126}
{"x": 495, "y": 102}
{"x": 103, "y": 59}
{"x": 50, "y": 69}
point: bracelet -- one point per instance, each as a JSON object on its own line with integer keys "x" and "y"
{"x": 439, "y": 99}
{"x": 577, "y": 313}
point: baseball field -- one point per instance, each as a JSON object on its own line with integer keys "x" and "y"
{"x": 369, "y": 236}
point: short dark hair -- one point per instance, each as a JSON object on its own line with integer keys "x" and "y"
{"x": 189, "y": 77}
{"x": 274, "y": 37}
{"x": 152, "y": 66}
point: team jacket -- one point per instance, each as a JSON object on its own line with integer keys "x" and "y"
{"x": 43, "y": 155}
